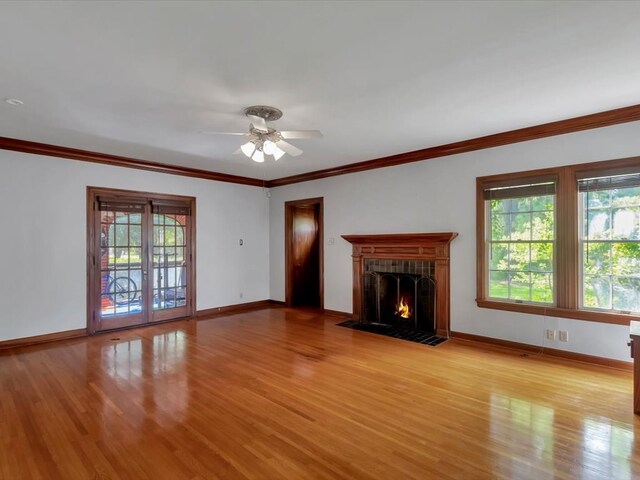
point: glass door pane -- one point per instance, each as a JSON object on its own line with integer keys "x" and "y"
{"x": 121, "y": 267}
{"x": 169, "y": 266}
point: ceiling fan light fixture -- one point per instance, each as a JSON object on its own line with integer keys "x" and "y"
{"x": 269, "y": 147}
{"x": 277, "y": 154}
{"x": 258, "y": 156}
{"x": 266, "y": 140}
{"x": 248, "y": 148}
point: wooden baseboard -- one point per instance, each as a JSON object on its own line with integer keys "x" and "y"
{"x": 552, "y": 352}
{"x": 82, "y": 332}
{"x": 46, "y": 338}
{"x": 337, "y": 313}
{"x": 277, "y": 303}
{"x": 230, "y": 309}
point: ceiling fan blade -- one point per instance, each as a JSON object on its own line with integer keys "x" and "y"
{"x": 301, "y": 134}
{"x": 288, "y": 148}
{"x": 223, "y": 133}
{"x": 258, "y": 123}
{"x": 238, "y": 151}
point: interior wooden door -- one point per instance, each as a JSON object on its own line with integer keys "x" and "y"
{"x": 140, "y": 258}
{"x": 304, "y": 253}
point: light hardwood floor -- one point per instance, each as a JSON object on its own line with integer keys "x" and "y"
{"x": 284, "y": 394}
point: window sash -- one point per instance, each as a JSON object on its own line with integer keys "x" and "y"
{"x": 611, "y": 279}
{"x": 520, "y": 191}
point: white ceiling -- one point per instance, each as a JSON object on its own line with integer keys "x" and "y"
{"x": 377, "y": 78}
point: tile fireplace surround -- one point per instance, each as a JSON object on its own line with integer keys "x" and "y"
{"x": 405, "y": 246}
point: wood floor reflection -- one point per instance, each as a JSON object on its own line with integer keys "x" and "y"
{"x": 284, "y": 394}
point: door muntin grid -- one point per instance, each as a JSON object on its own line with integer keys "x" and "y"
{"x": 120, "y": 263}
{"x": 169, "y": 261}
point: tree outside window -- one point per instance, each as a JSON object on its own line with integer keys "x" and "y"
{"x": 611, "y": 243}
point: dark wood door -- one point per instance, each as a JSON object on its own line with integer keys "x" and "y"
{"x": 306, "y": 284}
{"x": 304, "y": 248}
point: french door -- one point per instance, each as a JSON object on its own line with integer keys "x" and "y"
{"x": 140, "y": 258}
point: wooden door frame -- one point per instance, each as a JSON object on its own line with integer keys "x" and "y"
{"x": 289, "y": 208}
{"x": 93, "y": 257}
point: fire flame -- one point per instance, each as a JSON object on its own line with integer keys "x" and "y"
{"x": 403, "y": 309}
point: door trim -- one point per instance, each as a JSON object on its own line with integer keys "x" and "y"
{"x": 93, "y": 260}
{"x": 289, "y": 208}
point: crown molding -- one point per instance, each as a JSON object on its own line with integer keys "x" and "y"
{"x": 561, "y": 127}
{"x": 36, "y": 148}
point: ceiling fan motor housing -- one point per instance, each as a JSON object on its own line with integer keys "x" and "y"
{"x": 269, "y": 114}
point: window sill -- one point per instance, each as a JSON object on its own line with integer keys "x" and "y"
{"x": 588, "y": 315}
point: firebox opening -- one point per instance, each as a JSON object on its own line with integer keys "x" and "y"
{"x": 399, "y": 293}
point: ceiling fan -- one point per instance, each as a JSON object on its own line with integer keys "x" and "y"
{"x": 266, "y": 140}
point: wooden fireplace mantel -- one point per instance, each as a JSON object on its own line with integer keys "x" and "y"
{"x": 416, "y": 246}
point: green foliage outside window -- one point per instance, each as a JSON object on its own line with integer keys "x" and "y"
{"x": 522, "y": 248}
{"x": 611, "y": 249}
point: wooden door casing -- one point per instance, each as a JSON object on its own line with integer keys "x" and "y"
{"x": 94, "y": 286}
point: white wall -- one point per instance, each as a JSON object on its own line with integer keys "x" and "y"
{"x": 437, "y": 196}
{"x": 43, "y": 239}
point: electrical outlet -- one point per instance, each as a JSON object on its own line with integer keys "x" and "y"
{"x": 241, "y": 294}
{"x": 563, "y": 335}
{"x": 551, "y": 334}
{"x": 332, "y": 241}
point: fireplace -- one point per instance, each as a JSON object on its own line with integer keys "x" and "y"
{"x": 402, "y": 280}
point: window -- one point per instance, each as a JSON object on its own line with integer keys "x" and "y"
{"x": 610, "y": 243}
{"x": 562, "y": 241}
{"x": 520, "y": 242}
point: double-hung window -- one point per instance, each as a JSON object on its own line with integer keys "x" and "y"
{"x": 610, "y": 243}
{"x": 520, "y": 242}
{"x": 562, "y": 241}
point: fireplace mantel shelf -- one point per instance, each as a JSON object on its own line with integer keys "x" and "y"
{"x": 419, "y": 246}
{"x": 401, "y": 238}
